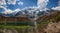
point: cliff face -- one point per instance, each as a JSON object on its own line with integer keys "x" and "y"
{"x": 13, "y": 19}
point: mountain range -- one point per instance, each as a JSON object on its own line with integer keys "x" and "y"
{"x": 25, "y": 14}
{"x": 28, "y": 11}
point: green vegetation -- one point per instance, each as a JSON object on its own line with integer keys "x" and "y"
{"x": 4, "y": 26}
{"x": 18, "y": 23}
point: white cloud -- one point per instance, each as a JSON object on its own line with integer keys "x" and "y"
{"x": 8, "y": 11}
{"x": 3, "y": 7}
{"x": 2, "y": 2}
{"x": 42, "y": 3}
{"x": 58, "y": 7}
{"x": 20, "y": 3}
{"x": 13, "y": 2}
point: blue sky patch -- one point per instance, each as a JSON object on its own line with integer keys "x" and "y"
{"x": 22, "y": 4}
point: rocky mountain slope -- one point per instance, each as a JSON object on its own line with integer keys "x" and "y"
{"x": 50, "y": 24}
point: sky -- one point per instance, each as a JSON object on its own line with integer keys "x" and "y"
{"x": 21, "y": 4}
{"x": 10, "y": 6}
{"x": 52, "y": 3}
{"x": 49, "y": 4}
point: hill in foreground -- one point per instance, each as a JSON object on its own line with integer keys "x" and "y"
{"x": 50, "y": 24}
